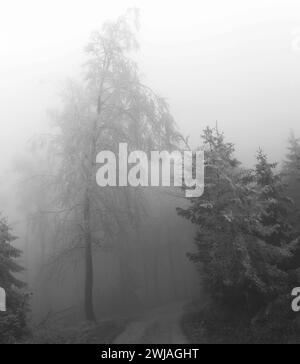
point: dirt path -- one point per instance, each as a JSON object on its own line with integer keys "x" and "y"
{"x": 159, "y": 326}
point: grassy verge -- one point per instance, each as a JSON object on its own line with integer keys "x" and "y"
{"x": 85, "y": 333}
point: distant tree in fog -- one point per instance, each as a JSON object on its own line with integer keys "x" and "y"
{"x": 292, "y": 162}
{"x": 291, "y": 168}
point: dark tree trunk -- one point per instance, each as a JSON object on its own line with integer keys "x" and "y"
{"x": 89, "y": 271}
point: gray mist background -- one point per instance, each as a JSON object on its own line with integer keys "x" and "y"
{"x": 235, "y": 62}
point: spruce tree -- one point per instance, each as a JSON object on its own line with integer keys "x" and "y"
{"x": 13, "y": 321}
{"x": 277, "y": 205}
{"x": 242, "y": 272}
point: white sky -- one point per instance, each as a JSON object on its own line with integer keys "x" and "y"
{"x": 231, "y": 61}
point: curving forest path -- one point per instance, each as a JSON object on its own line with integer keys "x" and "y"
{"x": 158, "y": 326}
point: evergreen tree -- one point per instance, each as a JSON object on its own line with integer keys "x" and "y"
{"x": 13, "y": 321}
{"x": 241, "y": 271}
{"x": 277, "y": 205}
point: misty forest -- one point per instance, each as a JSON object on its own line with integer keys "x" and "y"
{"x": 86, "y": 264}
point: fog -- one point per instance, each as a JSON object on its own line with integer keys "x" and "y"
{"x": 234, "y": 63}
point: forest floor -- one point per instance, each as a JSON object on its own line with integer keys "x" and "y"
{"x": 205, "y": 323}
{"x": 158, "y": 326}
